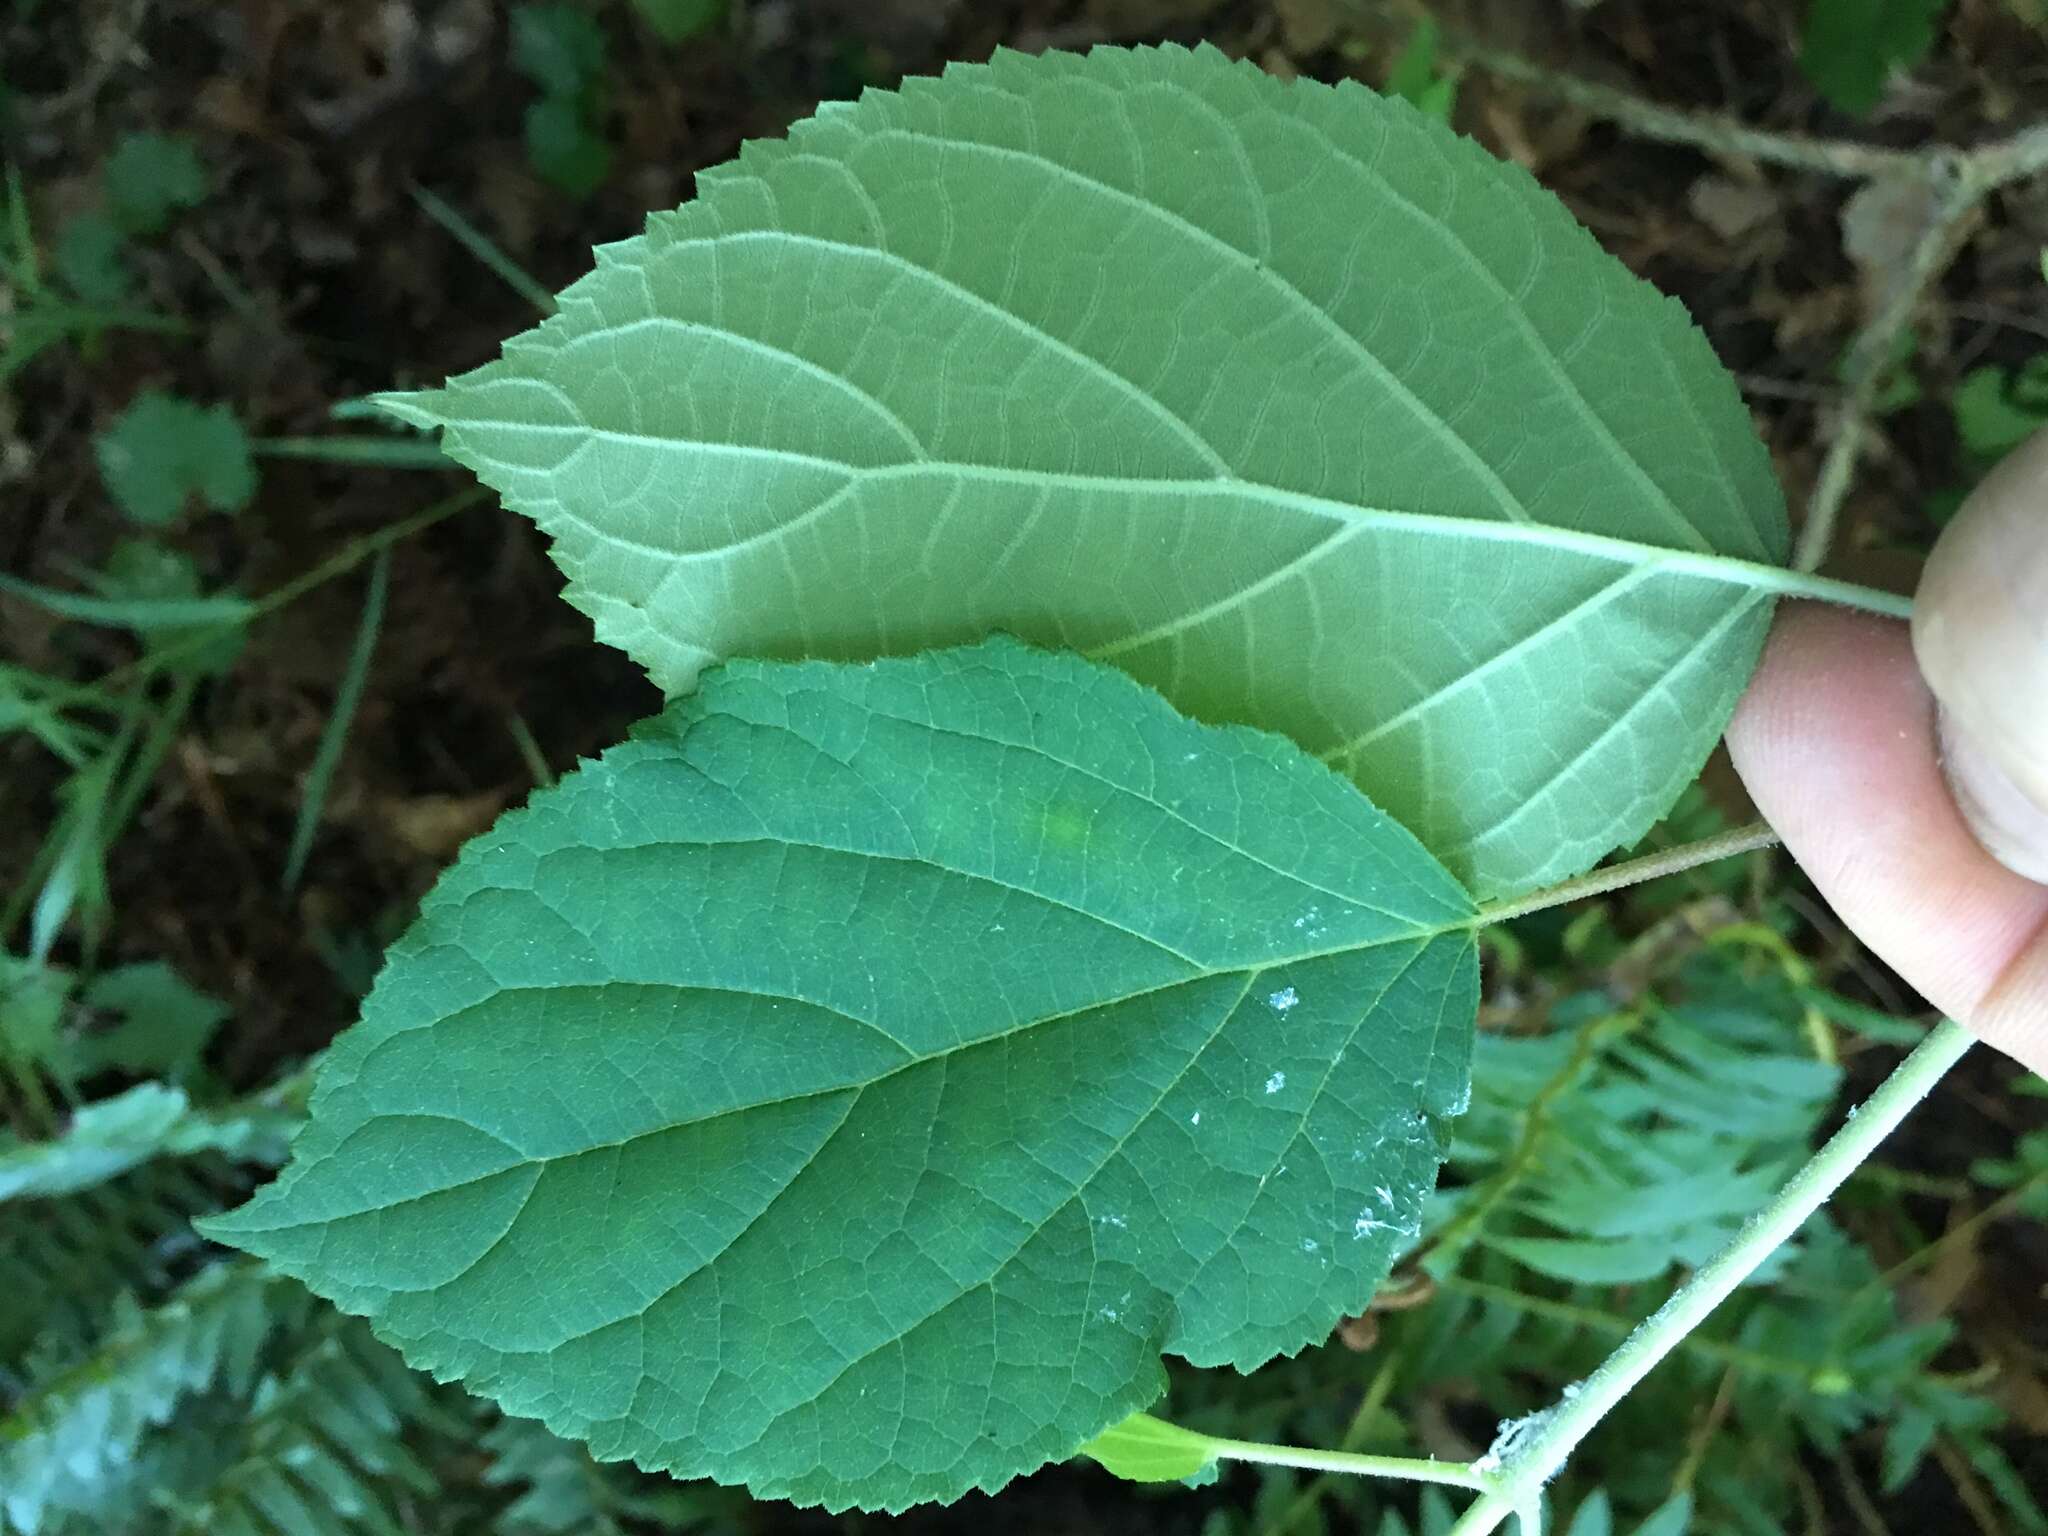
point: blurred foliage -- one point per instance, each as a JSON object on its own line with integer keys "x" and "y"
{"x": 1851, "y": 49}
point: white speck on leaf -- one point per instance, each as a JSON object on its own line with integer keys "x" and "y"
{"x": 1276, "y": 1082}
{"x": 1309, "y": 1245}
{"x": 1366, "y": 1225}
{"x": 1195, "y": 1118}
{"x": 1386, "y": 1195}
{"x": 1281, "y": 1001}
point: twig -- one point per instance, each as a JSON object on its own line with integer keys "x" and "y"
{"x": 1956, "y": 192}
{"x": 1699, "y": 130}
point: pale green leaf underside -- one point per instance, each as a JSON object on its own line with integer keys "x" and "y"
{"x": 853, "y": 1084}
{"x": 1283, "y": 397}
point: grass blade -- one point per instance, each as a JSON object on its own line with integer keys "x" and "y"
{"x": 332, "y": 738}
{"x": 140, "y": 614}
{"x": 378, "y": 452}
{"x": 484, "y": 249}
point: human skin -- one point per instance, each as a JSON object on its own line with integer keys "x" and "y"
{"x": 1857, "y": 761}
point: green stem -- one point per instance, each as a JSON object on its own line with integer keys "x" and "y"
{"x": 1355, "y": 1434}
{"x": 485, "y": 250}
{"x": 1529, "y": 1454}
{"x": 376, "y": 452}
{"x": 1826, "y": 589}
{"x": 1413, "y": 1469}
{"x": 1615, "y": 877}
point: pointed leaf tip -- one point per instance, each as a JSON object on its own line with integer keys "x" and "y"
{"x": 415, "y": 407}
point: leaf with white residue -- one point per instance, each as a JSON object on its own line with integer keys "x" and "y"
{"x": 855, "y": 1083}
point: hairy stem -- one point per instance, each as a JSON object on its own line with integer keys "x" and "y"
{"x": 1355, "y": 1434}
{"x": 1826, "y": 589}
{"x": 1413, "y": 1469}
{"x": 1530, "y": 1455}
{"x": 1650, "y": 866}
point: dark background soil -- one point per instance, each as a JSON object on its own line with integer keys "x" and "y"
{"x": 310, "y": 275}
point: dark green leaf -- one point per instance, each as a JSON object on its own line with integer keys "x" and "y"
{"x": 852, "y": 1085}
{"x": 560, "y": 48}
{"x": 679, "y": 20}
{"x": 150, "y": 177}
{"x": 1852, "y": 48}
{"x": 565, "y": 150}
{"x": 88, "y": 258}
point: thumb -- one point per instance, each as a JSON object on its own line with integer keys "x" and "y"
{"x": 1980, "y": 632}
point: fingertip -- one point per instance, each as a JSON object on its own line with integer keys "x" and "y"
{"x": 1836, "y": 742}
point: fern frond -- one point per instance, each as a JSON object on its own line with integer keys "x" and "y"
{"x": 64, "y": 1441}
{"x": 63, "y": 1261}
{"x": 325, "y": 1451}
{"x": 150, "y": 1120}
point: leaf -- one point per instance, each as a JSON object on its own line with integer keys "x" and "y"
{"x": 163, "y": 450}
{"x": 1416, "y": 79}
{"x": 1143, "y": 1449}
{"x": 110, "y": 1137}
{"x": 559, "y": 48}
{"x": 564, "y": 148}
{"x": 1590, "y": 1261}
{"x": 1595, "y": 1516}
{"x": 676, "y": 21}
{"x": 166, "y": 1024}
{"x": 854, "y": 1083}
{"x": 1996, "y": 410}
{"x": 89, "y": 259}
{"x": 1288, "y": 401}
{"x": 1671, "y": 1518}
{"x": 150, "y": 177}
{"x": 1851, "y": 48}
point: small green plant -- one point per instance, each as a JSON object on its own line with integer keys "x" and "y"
{"x": 1997, "y": 409}
{"x": 561, "y": 48}
{"x": 163, "y": 452}
{"x": 677, "y": 21}
{"x": 87, "y": 291}
{"x": 1151, "y": 562}
{"x": 1419, "y": 79}
{"x": 1851, "y": 49}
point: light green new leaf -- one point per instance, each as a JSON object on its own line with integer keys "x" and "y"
{"x": 1143, "y": 1449}
{"x": 1287, "y": 400}
{"x": 853, "y": 1084}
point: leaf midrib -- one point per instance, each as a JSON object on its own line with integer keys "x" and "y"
{"x": 1421, "y": 938}
{"x": 1730, "y": 569}
{"x": 1267, "y": 272}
